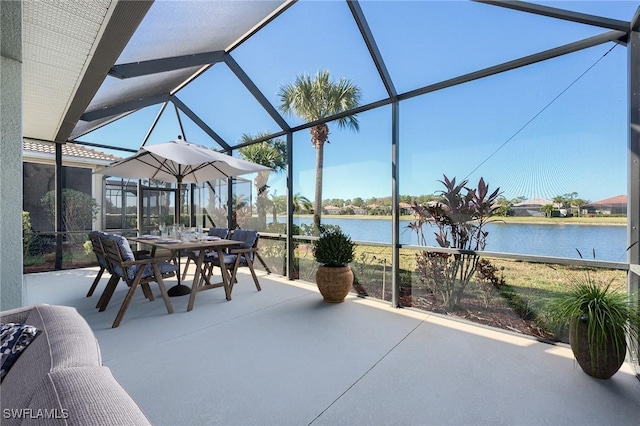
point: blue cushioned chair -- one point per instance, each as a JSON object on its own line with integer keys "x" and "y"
{"x": 96, "y": 243}
{"x": 239, "y": 256}
{"x": 213, "y": 232}
{"x": 218, "y": 232}
{"x": 133, "y": 271}
{"x": 98, "y": 250}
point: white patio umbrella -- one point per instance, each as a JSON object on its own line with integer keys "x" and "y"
{"x": 182, "y": 162}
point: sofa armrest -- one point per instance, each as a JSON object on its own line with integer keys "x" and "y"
{"x": 16, "y": 315}
{"x": 83, "y": 396}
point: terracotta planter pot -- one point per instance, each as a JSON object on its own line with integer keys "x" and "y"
{"x": 606, "y": 363}
{"x": 334, "y": 282}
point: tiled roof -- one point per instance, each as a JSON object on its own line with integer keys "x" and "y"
{"x": 68, "y": 149}
{"x": 534, "y": 202}
{"x": 618, "y": 199}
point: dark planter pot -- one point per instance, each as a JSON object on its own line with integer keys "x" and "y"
{"x": 334, "y": 282}
{"x": 605, "y": 364}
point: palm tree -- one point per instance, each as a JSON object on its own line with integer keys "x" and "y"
{"x": 271, "y": 153}
{"x": 239, "y": 202}
{"x": 579, "y": 203}
{"x": 315, "y": 98}
{"x": 301, "y": 202}
{"x": 278, "y": 205}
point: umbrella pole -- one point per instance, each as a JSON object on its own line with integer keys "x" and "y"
{"x": 179, "y": 289}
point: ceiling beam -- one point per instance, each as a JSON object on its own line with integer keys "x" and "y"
{"x": 554, "y": 12}
{"x": 196, "y": 119}
{"x": 124, "y": 107}
{"x": 257, "y": 94}
{"x": 635, "y": 22}
{"x": 610, "y": 36}
{"x": 123, "y": 22}
{"x": 154, "y": 66}
{"x": 369, "y": 40}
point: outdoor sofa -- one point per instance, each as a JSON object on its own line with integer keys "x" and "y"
{"x": 58, "y": 379}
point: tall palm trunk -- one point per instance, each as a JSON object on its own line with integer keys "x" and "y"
{"x": 261, "y": 201}
{"x": 317, "y": 205}
{"x": 319, "y": 135}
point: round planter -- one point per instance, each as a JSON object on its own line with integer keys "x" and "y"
{"x": 606, "y": 363}
{"x": 334, "y": 282}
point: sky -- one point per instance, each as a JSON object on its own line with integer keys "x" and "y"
{"x": 539, "y": 131}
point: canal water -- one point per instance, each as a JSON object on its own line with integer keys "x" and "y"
{"x": 609, "y": 242}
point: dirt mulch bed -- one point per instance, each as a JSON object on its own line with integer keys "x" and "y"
{"x": 498, "y": 314}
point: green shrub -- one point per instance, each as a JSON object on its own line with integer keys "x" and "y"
{"x": 333, "y": 248}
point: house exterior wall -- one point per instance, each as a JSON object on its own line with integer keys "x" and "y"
{"x": 11, "y": 294}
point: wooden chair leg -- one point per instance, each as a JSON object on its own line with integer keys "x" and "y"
{"x": 227, "y": 281}
{"x": 127, "y": 298}
{"x": 163, "y": 289}
{"x": 253, "y": 273}
{"x": 146, "y": 290}
{"x": 208, "y": 272}
{"x": 232, "y": 275}
{"x": 95, "y": 282}
{"x": 108, "y": 292}
{"x": 264, "y": 264}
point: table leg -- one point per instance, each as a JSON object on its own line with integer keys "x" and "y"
{"x": 200, "y": 276}
{"x": 196, "y": 280}
{"x": 178, "y": 289}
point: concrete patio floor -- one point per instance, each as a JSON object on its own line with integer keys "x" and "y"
{"x": 284, "y": 357}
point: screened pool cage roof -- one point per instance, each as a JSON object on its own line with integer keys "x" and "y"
{"x": 88, "y": 64}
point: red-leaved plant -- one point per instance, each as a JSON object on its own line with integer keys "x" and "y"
{"x": 459, "y": 219}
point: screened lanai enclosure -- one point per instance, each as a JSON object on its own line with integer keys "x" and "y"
{"x": 539, "y": 100}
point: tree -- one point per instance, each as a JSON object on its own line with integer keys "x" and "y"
{"x": 316, "y": 98}
{"x": 78, "y": 211}
{"x": 578, "y": 203}
{"x": 278, "y": 205}
{"x": 547, "y": 209}
{"x": 300, "y": 202}
{"x": 459, "y": 220}
{"x": 239, "y": 213}
{"x": 560, "y": 201}
{"x": 271, "y": 153}
{"x": 504, "y": 206}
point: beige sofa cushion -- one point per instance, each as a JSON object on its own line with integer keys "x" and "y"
{"x": 65, "y": 341}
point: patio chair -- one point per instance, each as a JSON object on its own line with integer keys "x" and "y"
{"x": 213, "y": 232}
{"x": 134, "y": 272}
{"x": 242, "y": 256}
{"x": 98, "y": 249}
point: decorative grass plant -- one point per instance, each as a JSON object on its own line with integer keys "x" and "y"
{"x": 605, "y": 317}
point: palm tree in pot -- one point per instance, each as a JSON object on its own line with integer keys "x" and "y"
{"x": 334, "y": 250}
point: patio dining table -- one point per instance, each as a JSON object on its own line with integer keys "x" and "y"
{"x": 197, "y": 246}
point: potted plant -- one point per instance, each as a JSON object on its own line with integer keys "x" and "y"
{"x": 334, "y": 250}
{"x": 600, "y": 320}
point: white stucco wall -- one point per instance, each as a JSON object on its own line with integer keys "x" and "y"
{"x": 11, "y": 155}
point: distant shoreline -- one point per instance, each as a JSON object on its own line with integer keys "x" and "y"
{"x": 524, "y": 220}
